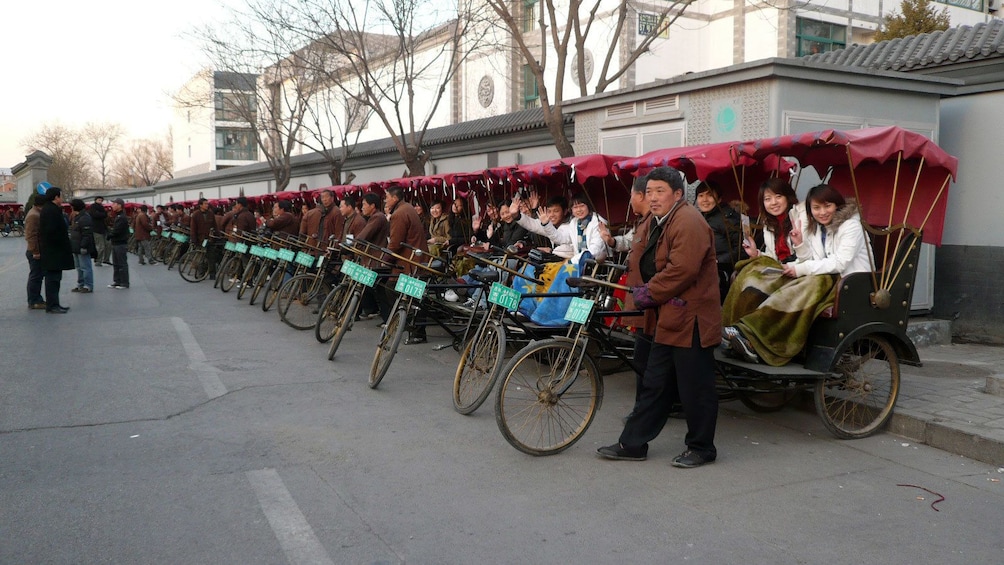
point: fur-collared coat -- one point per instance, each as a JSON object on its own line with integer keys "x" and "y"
{"x": 845, "y": 250}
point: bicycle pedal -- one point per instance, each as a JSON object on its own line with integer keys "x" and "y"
{"x": 441, "y": 346}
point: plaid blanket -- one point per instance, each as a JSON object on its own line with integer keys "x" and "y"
{"x": 773, "y": 311}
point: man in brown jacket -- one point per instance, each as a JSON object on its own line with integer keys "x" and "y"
{"x": 283, "y": 222}
{"x": 353, "y": 222}
{"x": 322, "y": 221}
{"x": 674, "y": 256}
{"x": 375, "y": 231}
{"x": 33, "y": 254}
{"x": 405, "y": 228}
{"x": 141, "y": 229}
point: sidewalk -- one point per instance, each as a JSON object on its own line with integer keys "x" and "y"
{"x": 955, "y": 402}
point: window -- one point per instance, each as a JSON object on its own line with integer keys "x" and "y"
{"x": 235, "y": 145}
{"x": 819, "y": 37}
{"x": 234, "y": 107}
{"x": 531, "y": 96}
{"x": 529, "y": 15}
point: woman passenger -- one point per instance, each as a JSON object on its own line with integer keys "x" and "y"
{"x": 726, "y": 224}
{"x": 769, "y": 315}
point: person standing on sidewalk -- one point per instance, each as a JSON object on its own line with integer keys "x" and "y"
{"x": 118, "y": 236}
{"x": 100, "y": 217}
{"x": 35, "y": 274}
{"x": 82, "y": 245}
{"x": 141, "y": 229}
{"x": 54, "y": 247}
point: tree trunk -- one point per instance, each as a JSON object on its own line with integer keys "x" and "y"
{"x": 556, "y": 126}
{"x": 335, "y": 174}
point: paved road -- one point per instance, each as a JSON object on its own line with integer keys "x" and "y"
{"x": 170, "y": 423}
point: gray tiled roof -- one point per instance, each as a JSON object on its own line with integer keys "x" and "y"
{"x": 954, "y": 45}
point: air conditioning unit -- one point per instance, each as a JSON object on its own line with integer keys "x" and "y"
{"x": 993, "y": 5}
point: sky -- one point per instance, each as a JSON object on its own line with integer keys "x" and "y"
{"x": 73, "y": 62}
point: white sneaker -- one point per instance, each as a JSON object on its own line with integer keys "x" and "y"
{"x": 451, "y": 296}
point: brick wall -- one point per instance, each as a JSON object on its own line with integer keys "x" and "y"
{"x": 969, "y": 289}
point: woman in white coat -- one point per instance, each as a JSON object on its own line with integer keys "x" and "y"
{"x": 833, "y": 244}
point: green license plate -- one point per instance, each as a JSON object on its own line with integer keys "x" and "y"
{"x": 230, "y": 246}
{"x": 578, "y": 310}
{"x": 287, "y": 254}
{"x": 241, "y": 247}
{"x": 305, "y": 259}
{"x": 504, "y": 296}
{"x": 410, "y": 286}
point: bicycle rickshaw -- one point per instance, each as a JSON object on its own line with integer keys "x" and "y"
{"x": 851, "y": 361}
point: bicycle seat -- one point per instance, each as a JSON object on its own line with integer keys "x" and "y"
{"x": 485, "y": 276}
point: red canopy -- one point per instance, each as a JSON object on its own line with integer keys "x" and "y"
{"x": 869, "y": 157}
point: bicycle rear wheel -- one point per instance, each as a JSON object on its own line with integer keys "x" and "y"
{"x": 479, "y": 367}
{"x": 548, "y": 397}
{"x": 299, "y": 300}
{"x": 390, "y": 339}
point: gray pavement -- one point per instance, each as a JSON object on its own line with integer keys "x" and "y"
{"x": 170, "y": 423}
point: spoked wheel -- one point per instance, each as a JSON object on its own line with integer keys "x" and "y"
{"x": 548, "y": 397}
{"x": 299, "y": 301}
{"x": 272, "y": 288}
{"x": 260, "y": 280}
{"x": 175, "y": 255}
{"x": 247, "y": 278}
{"x": 390, "y": 339}
{"x": 859, "y": 400}
{"x": 479, "y": 367}
{"x": 344, "y": 318}
{"x": 229, "y": 273}
{"x": 328, "y": 316}
{"x": 767, "y": 401}
{"x": 193, "y": 267}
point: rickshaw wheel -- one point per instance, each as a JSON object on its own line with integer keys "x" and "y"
{"x": 344, "y": 318}
{"x": 479, "y": 368}
{"x": 764, "y": 402}
{"x": 859, "y": 400}
{"x": 542, "y": 407}
{"x": 330, "y": 314}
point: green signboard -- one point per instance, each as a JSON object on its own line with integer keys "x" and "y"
{"x": 410, "y": 286}
{"x": 504, "y": 296}
{"x": 578, "y": 310}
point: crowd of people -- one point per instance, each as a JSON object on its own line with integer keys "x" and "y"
{"x": 697, "y": 272}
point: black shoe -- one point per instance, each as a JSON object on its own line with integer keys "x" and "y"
{"x": 75, "y": 289}
{"x": 416, "y": 340}
{"x": 109, "y": 263}
{"x": 37, "y": 306}
{"x": 620, "y": 453}
{"x": 690, "y": 459}
{"x": 57, "y": 310}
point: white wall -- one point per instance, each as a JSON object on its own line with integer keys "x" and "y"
{"x": 970, "y": 130}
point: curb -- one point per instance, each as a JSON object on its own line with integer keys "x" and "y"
{"x": 947, "y": 437}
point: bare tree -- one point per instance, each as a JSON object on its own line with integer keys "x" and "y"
{"x": 164, "y": 156}
{"x": 563, "y": 31}
{"x": 386, "y": 55}
{"x": 274, "y": 115}
{"x": 71, "y": 168}
{"x": 140, "y": 164}
{"x": 102, "y": 139}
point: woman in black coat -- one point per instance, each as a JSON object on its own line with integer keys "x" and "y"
{"x": 55, "y": 252}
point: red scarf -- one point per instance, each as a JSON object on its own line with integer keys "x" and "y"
{"x": 781, "y": 241}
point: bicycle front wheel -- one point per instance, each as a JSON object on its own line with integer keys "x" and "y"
{"x": 229, "y": 273}
{"x": 247, "y": 278}
{"x": 344, "y": 319}
{"x": 260, "y": 280}
{"x": 479, "y": 367}
{"x": 272, "y": 288}
{"x": 299, "y": 300}
{"x": 328, "y": 316}
{"x": 390, "y": 339}
{"x": 548, "y": 398}
{"x": 193, "y": 267}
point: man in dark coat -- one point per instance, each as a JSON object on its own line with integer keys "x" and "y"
{"x": 56, "y": 254}
{"x": 82, "y": 245}
{"x": 100, "y": 217}
{"x": 35, "y": 273}
{"x": 118, "y": 236}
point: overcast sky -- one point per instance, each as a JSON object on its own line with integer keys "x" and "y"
{"x": 73, "y": 61}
